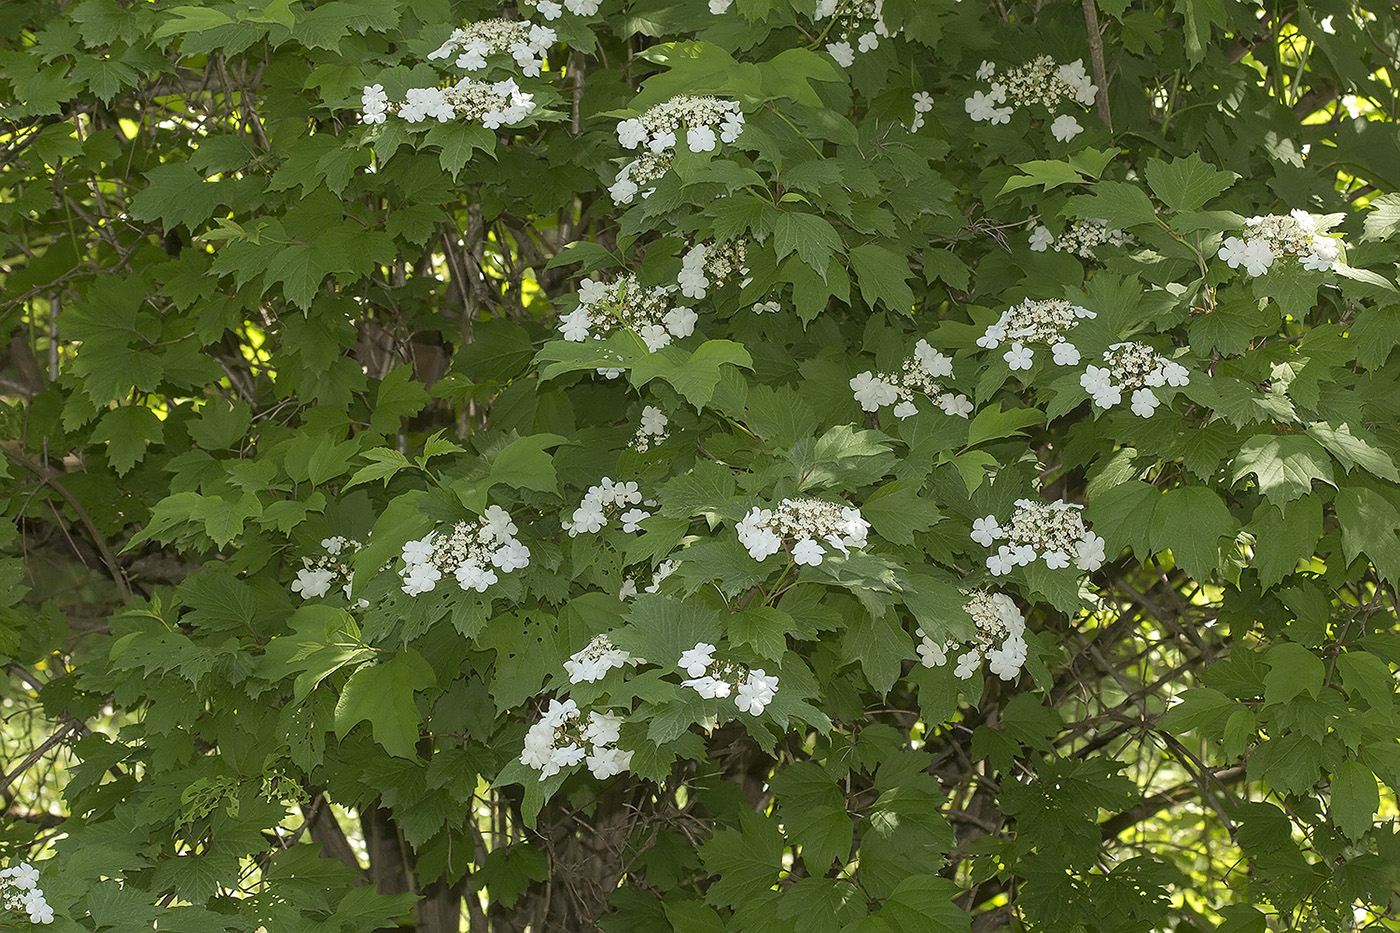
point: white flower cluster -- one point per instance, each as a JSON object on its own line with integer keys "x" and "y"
{"x": 605, "y": 306}
{"x": 552, "y": 11}
{"x": 603, "y": 501}
{"x": 1300, "y": 234}
{"x": 919, "y": 374}
{"x": 923, "y": 103}
{"x": 806, "y": 522}
{"x": 1000, "y": 638}
{"x": 318, "y": 574}
{"x": 706, "y": 264}
{"x": 595, "y": 659}
{"x": 1053, "y": 532}
{"x": 662, "y": 571}
{"x": 856, "y": 26}
{"x": 652, "y": 430}
{"x": 706, "y": 122}
{"x": 493, "y": 105}
{"x": 1132, "y": 367}
{"x": 1079, "y": 238}
{"x": 561, "y": 739}
{"x": 1039, "y": 81}
{"x": 467, "y": 552}
{"x": 1042, "y": 321}
{"x": 19, "y": 891}
{"x": 522, "y": 40}
{"x": 752, "y": 689}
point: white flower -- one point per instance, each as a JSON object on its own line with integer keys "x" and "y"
{"x": 873, "y": 392}
{"x": 662, "y": 141}
{"x": 718, "y": 7}
{"x": 905, "y": 410}
{"x": 1056, "y": 559}
{"x": 628, "y": 589}
{"x": 1175, "y": 374}
{"x": 312, "y": 583}
{"x": 959, "y": 406}
{"x": 868, "y": 42}
{"x": 1065, "y": 353}
{"x": 681, "y": 321}
{"x": 923, "y": 101}
{"x": 623, "y": 190}
{"x": 1090, "y": 553}
{"x": 605, "y": 762}
{"x": 967, "y": 664}
{"x": 700, "y": 139}
{"x": 711, "y": 688}
{"x": 807, "y": 552}
{"x": 654, "y": 421}
{"x": 1000, "y": 563}
{"x": 697, "y": 660}
{"x": 1018, "y": 357}
{"x": 549, "y": 9}
{"x": 631, "y": 519}
{"x": 842, "y": 53}
{"x": 631, "y": 133}
{"x": 767, "y": 307}
{"x": 1006, "y": 661}
{"x": 591, "y": 292}
{"x": 1065, "y": 128}
{"x": 979, "y": 106}
{"x": 655, "y": 336}
{"x": 934, "y": 362}
{"x": 602, "y": 728}
{"x": 756, "y": 691}
{"x": 1255, "y": 255}
{"x": 730, "y": 129}
{"x": 497, "y": 524}
{"x": 23, "y": 876}
{"x": 1041, "y": 238}
{"x": 985, "y": 530}
{"x": 992, "y": 337}
{"x": 588, "y": 518}
{"x": 511, "y": 556}
{"x": 1023, "y": 554}
{"x": 932, "y": 654}
{"x": 1144, "y": 403}
{"x": 986, "y": 70}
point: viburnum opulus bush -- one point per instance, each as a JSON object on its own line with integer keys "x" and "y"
{"x": 824, "y": 466}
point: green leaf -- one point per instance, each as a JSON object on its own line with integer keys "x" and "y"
{"x": 814, "y": 815}
{"x": 1202, "y": 709}
{"x": 126, "y": 431}
{"x": 1186, "y": 184}
{"x": 400, "y": 396}
{"x": 190, "y": 19}
{"x": 175, "y": 194}
{"x": 747, "y": 859}
{"x": 1293, "y": 669}
{"x": 882, "y": 275}
{"x": 1116, "y": 203}
{"x": 896, "y": 512}
{"x": 1352, "y": 451}
{"x": 1355, "y": 798}
{"x": 1284, "y": 535}
{"x": 1369, "y": 522}
{"x": 1191, "y": 521}
{"x": 386, "y": 462}
{"x": 383, "y": 694}
{"x": 693, "y": 375}
{"x": 523, "y": 463}
{"x": 1285, "y": 465}
{"x": 923, "y": 903}
{"x": 814, "y": 240}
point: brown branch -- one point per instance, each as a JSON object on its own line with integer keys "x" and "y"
{"x": 50, "y": 479}
{"x": 1091, "y": 25}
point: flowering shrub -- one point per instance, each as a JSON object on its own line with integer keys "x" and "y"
{"x": 811, "y": 467}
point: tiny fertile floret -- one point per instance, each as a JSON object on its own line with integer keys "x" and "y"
{"x": 918, "y": 376}
{"x": 1045, "y": 322}
{"x": 1000, "y": 638}
{"x": 802, "y": 525}
{"x": 1053, "y": 532}
{"x": 603, "y": 307}
{"x": 1132, "y": 367}
{"x": 471, "y": 552}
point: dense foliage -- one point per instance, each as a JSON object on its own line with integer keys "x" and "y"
{"x": 788, "y": 465}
